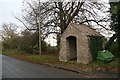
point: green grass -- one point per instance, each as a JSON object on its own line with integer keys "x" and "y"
{"x": 0, "y": 49}
{"x": 35, "y": 58}
{"x": 12, "y": 53}
{"x": 43, "y": 59}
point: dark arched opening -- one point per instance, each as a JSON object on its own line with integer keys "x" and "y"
{"x": 72, "y": 47}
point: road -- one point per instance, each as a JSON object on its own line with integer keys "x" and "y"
{"x": 13, "y": 68}
{"x": 0, "y": 66}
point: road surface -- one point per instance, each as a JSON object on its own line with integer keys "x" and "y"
{"x": 0, "y": 66}
{"x": 13, "y": 68}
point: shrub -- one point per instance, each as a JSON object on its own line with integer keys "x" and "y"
{"x": 95, "y": 44}
{"x": 114, "y": 49}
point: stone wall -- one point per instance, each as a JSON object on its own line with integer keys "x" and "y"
{"x": 83, "y": 52}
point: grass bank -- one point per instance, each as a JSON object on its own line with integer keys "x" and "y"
{"x": 53, "y": 60}
{"x": 35, "y": 58}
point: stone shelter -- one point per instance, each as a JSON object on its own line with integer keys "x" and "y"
{"x": 74, "y": 43}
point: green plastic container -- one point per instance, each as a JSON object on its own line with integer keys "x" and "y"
{"x": 105, "y": 56}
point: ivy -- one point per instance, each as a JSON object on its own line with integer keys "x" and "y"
{"x": 95, "y": 44}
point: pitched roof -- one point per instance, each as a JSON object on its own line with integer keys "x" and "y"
{"x": 85, "y": 29}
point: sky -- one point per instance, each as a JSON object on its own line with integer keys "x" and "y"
{"x": 9, "y": 8}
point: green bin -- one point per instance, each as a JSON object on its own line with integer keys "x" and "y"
{"x": 105, "y": 56}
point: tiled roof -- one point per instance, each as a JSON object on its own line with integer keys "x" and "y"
{"x": 85, "y": 29}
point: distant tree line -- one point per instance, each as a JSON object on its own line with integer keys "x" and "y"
{"x": 25, "y": 41}
{"x": 55, "y": 17}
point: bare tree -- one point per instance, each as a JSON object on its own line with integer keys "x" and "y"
{"x": 9, "y": 36}
{"x": 60, "y": 14}
{"x": 8, "y": 30}
{"x": 56, "y": 16}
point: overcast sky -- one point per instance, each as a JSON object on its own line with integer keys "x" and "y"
{"x": 7, "y": 8}
{"x": 10, "y": 7}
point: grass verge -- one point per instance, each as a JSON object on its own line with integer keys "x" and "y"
{"x": 35, "y": 58}
{"x": 53, "y": 60}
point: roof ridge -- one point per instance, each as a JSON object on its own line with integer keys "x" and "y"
{"x": 86, "y": 29}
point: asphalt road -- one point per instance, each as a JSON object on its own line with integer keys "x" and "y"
{"x": 0, "y": 66}
{"x": 13, "y": 68}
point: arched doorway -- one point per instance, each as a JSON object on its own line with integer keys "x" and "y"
{"x": 72, "y": 47}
